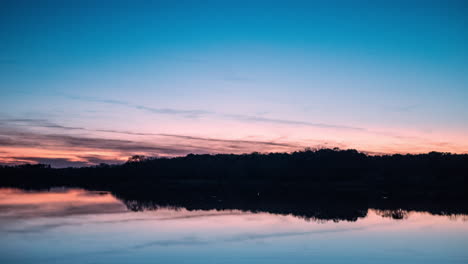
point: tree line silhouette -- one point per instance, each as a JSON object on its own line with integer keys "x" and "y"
{"x": 328, "y": 183}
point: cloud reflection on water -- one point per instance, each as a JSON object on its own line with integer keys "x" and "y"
{"x": 78, "y": 226}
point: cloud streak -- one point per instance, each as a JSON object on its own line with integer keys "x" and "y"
{"x": 196, "y": 241}
{"x": 230, "y": 141}
{"x": 165, "y": 111}
{"x": 47, "y": 124}
{"x": 197, "y": 113}
{"x": 156, "y": 144}
{"x": 28, "y": 139}
{"x": 247, "y": 118}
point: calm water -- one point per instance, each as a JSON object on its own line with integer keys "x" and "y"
{"x": 77, "y": 226}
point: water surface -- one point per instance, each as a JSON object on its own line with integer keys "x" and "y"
{"x": 77, "y": 226}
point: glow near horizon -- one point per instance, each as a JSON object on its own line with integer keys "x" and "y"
{"x": 382, "y": 78}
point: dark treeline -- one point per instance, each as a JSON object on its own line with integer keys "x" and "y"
{"x": 323, "y": 184}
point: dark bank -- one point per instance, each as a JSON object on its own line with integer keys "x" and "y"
{"x": 329, "y": 184}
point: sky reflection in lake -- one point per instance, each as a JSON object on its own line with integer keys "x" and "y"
{"x": 77, "y": 226}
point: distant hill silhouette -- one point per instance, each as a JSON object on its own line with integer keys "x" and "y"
{"x": 320, "y": 184}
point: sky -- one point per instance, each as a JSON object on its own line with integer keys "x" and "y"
{"x": 85, "y": 82}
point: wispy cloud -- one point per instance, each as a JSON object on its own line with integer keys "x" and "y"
{"x": 55, "y": 209}
{"x": 186, "y": 241}
{"x": 290, "y": 122}
{"x": 38, "y": 123}
{"x": 196, "y": 241}
{"x": 28, "y": 122}
{"x": 29, "y": 139}
{"x": 230, "y": 141}
{"x": 23, "y": 135}
{"x": 48, "y": 124}
{"x": 165, "y": 111}
{"x": 256, "y": 236}
{"x": 25, "y": 211}
{"x": 195, "y": 113}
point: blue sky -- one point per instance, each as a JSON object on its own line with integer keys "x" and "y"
{"x": 379, "y": 76}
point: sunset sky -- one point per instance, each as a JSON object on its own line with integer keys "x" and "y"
{"x": 85, "y": 82}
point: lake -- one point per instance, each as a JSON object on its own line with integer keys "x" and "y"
{"x": 64, "y": 225}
